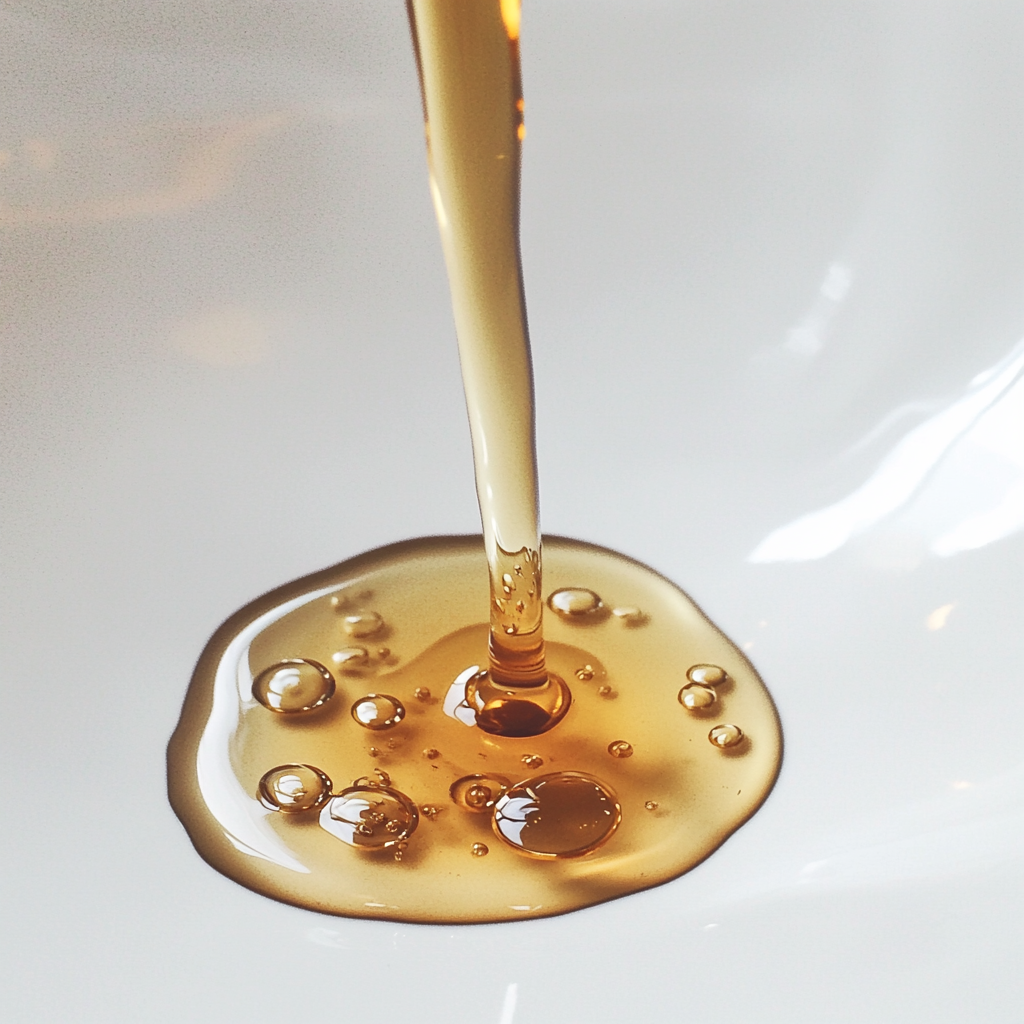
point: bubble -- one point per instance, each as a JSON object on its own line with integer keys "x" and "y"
{"x": 294, "y": 787}
{"x": 363, "y": 624}
{"x": 374, "y": 752}
{"x": 431, "y": 753}
{"x": 697, "y": 696}
{"x": 293, "y": 685}
{"x": 350, "y": 657}
{"x": 383, "y": 653}
{"x": 585, "y": 673}
{"x": 479, "y": 850}
{"x": 629, "y": 615}
{"x": 378, "y": 711}
{"x": 726, "y": 735}
{"x": 565, "y": 814}
{"x": 422, "y": 693}
{"x": 478, "y": 793}
{"x": 574, "y": 602}
{"x": 429, "y": 811}
{"x": 370, "y": 817}
{"x": 710, "y": 675}
{"x": 605, "y": 691}
{"x": 651, "y": 805}
{"x": 620, "y": 748}
{"x": 532, "y": 760}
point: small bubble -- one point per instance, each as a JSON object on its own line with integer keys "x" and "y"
{"x": 378, "y": 711}
{"x": 532, "y": 760}
{"x": 349, "y": 657}
{"x": 508, "y": 583}
{"x": 479, "y": 850}
{"x": 478, "y": 792}
{"x": 697, "y": 696}
{"x": 421, "y": 693}
{"x": 566, "y": 814}
{"x": 605, "y": 691}
{"x": 363, "y": 624}
{"x": 397, "y": 855}
{"x": 726, "y": 735}
{"x": 431, "y": 753}
{"x": 340, "y": 601}
{"x": 629, "y": 615}
{"x": 518, "y": 569}
{"x": 373, "y": 752}
{"x": 574, "y": 602}
{"x": 430, "y": 812}
{"x": 383, "y": 653}
{"x": 710, "y": 675}
{"x": 651, "y": 805}
{"x": 293, "y": 685}
{"x": 585, "y": 673}
{"x": 294, "y": 787}
{"x": 355, "y": 814}
{"x": 620, "y": 748}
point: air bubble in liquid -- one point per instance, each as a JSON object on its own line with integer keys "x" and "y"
{"x": 726, "y": 735}
{"x": 350, "y": 657}
{"x": 629, "y": 615}
{"x": 378, "y": 711}
{"x": 651, "y": 805}
{"x": 370, "y": 817}
{"x": 574, "y": 602}
{"x": 620, "y": 748}
{"x": 294, "y": 685}
{"x": 585, "y": 673}
{"x": 422, "y": 693}
{"x": 478, "y": 793}
{"x": 605, "y": 691}
{"x": 532, "y": 760}
{"x": 479, "y": 850}
{"x": 363, "y": 624}
{"x": 294, "y": 787}
{"x": 431, "y": 753}
{"x": 697, "y": 696}
{"x": 565, "y": 814}
{"x": 710, "y": 675}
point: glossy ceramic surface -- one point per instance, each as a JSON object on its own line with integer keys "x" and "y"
{"x": 773, "y": 257}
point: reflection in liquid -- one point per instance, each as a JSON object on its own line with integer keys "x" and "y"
{"x": 957, "y": 480}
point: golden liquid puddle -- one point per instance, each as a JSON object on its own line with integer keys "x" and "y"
{"x": 326, "y": 755}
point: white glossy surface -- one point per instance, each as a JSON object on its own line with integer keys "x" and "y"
{"x": 771, "y": 251}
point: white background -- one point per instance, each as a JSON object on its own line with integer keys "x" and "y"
{"x": 768, "y": 247}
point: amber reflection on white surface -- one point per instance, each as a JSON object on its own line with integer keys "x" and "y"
{"x": 143, "y": 171}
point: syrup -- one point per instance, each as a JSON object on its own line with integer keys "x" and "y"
{"x": 494, "y": 761}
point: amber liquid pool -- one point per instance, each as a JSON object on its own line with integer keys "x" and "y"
{"x": 472, "y": 729}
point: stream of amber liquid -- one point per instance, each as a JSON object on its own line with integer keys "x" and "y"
{"x": 468, "y": 57}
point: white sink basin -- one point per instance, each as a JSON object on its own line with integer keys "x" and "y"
{"x": 773, "y": 259}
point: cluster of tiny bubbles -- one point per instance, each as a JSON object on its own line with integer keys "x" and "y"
{"x": 585, "y": 673}
{"x": 431, "y": 753}
{"x": 294, "y": 787}
{"x": 478, "y": 793}
{"x": 363, "y": 624}
{"x": 294, "y": 685}
{"x": 620, "y": 748}
{"x": 565, "y": 814}
{"x": 709, "y": 675}
{"x": 651, "y": 805}
{"x": 350, "y": 657}
{"x": 574, "y": 602}
{"x": 725, "y": 735}
{"x": 479, "y": 850}
{"x": 371, "y": 815}
{"x": 378, "y": 711}
{"x": 532, "y": 760}
{"x": 629, "y": 616}
{"x": 697, "y": 696}
{"x": 605, "y": 691}
{"x": 422, "y": 693}
{"x": 430, "y": 811}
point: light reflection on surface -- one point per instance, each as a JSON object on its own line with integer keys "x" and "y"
{"x": 956, "y": 481}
